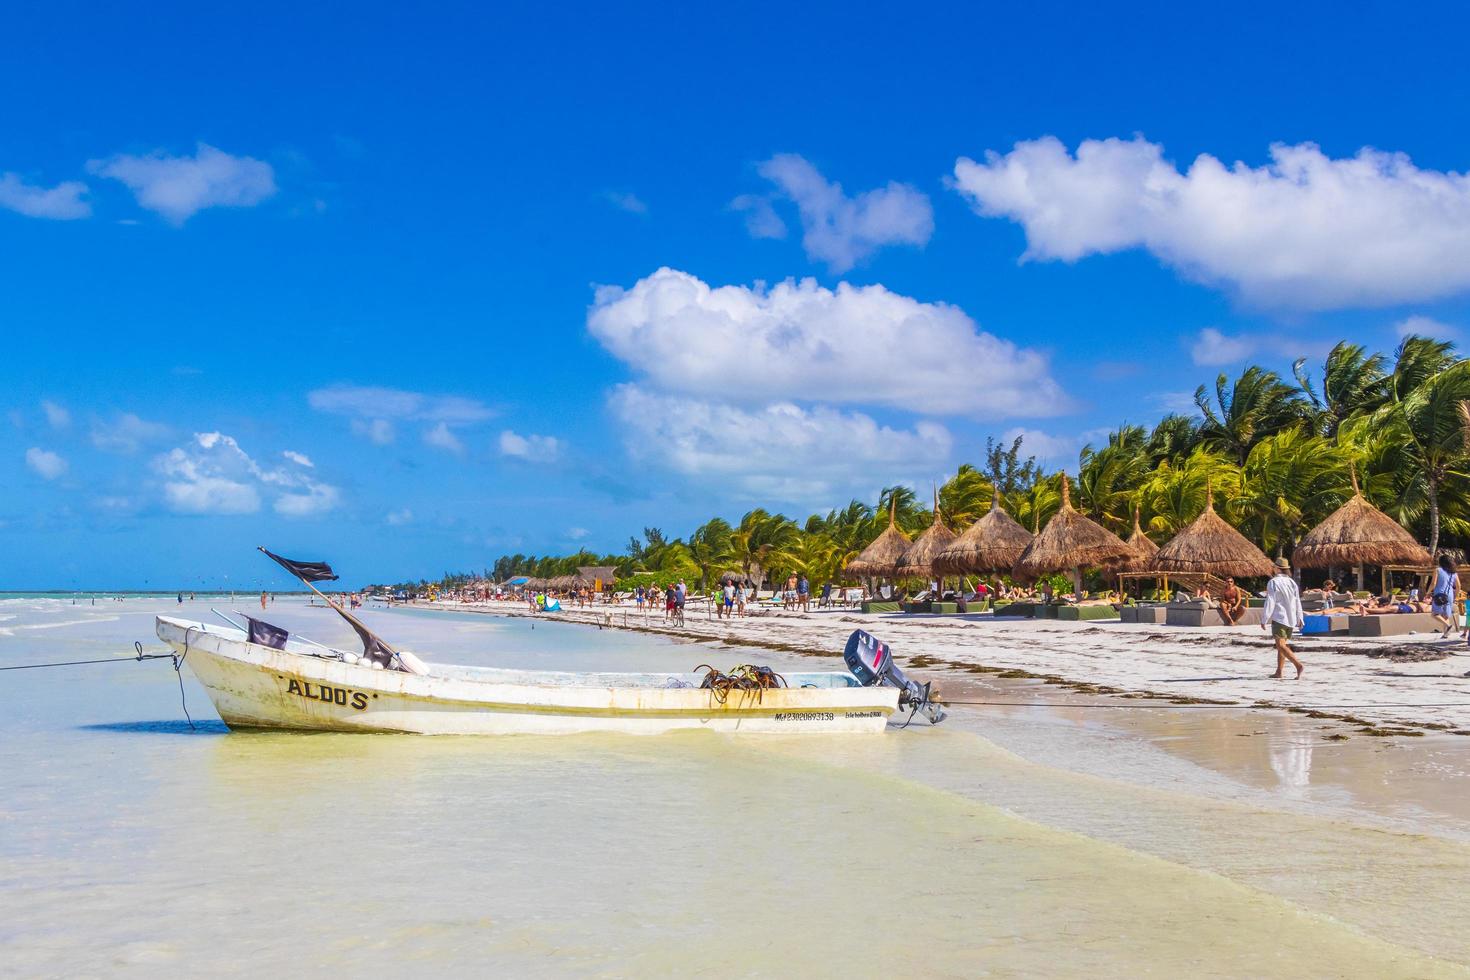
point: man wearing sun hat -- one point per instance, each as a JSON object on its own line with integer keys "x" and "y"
{"x": 1282, "y": 614}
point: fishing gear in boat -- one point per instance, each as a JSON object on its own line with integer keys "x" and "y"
{"x": 745, "y": 677}
{"x": 871, "y": 662}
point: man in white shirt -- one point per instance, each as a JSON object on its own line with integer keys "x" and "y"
{"x": 1282, "y": 614}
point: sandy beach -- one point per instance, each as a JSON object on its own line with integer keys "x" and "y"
{"x": 1404, "y": 686}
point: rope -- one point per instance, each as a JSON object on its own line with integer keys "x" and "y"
{"x": 140, "y": 655}
{"x": 1305, "y": 707}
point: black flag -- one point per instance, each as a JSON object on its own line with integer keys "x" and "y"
{"x": 374, "y": 648}
{"x": 265, "y": 634}
{"x": 307, "y": 571}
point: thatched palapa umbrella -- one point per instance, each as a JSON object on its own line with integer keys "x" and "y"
{"x": 1141, "y": 550}
{"x": 992, "y": 544}
{"x": 880, "y": 559}
{"x": 918, "y": 560}
{"x": 1070, "y": 541}
{"x": 1209, "y": 546}
{"x": 1358, "y": 534}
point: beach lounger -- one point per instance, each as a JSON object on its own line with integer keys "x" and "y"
{"x": 1199, "y": 613}
{"x": 1324, "y": 625}
{"x": 1394, "y": 624}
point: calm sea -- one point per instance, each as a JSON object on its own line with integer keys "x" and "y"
{"x": 134, "y": 844}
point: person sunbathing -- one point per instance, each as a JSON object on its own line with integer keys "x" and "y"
{"x": 1389, "y": 606}
{"x": 1232, "y": 603}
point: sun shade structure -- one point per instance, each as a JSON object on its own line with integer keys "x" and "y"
{"x": 1141, "y": 550}
{"x": 992, "y": 544}
{"x": 918, "y": 560}
{"x": 1357, "y": 533}
{"x": 880, "y": 559}
{"x": 597, "y": 575}
{"x": 1072, "y": 542}
{"x": 1213, "y": 547}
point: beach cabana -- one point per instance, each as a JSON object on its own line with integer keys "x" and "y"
{"x": 1210, "y": 546}
{"x": 992, "y": 544}
{"x": 1358, "y": 534}
{"x": 599, "y": 577}
{"x": 1070, "y": 542}
{"x": 880, "y": 559}
{"x": 918, "y": 560}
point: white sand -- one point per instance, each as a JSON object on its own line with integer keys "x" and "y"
{"x": 1370, "y": 679}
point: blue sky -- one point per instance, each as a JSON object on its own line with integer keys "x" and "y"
{"x": 410, "y": 288}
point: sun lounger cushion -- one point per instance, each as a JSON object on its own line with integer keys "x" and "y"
{"x": 1394, "y": 624}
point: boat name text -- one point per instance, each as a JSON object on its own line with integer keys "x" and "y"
{"x": 324, "y": 692}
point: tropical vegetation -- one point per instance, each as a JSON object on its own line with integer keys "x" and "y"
{"x": 1279, "y": 453}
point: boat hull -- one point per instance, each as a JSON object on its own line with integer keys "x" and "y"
{"x": 256, "y": 687}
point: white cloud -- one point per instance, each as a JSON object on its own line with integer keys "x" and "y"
{"x": 440, "y": 437}
{"x": 1175, "y": 402}
{"x": 838, "y": 230}
{"x": 126, "y": 433}
{"x": 298, "y": 458}
{"x": 62, "y": 202}
{"x": 56, "y": 415}
{"x": 761, "y": 219}
{"x": 629, "y": 202}
{"x": 1303, "y": 231}
{"x": 1423, "y": 326}
{"x": 213, "y": 475}
{"x": 179, "y": 187}
{"x": 1053, "y": 450}
{"x": 578, "y": 533}
{"x": 317, "y": 498}
{"x": 379, "y": 431}
{"x": 397, "y": 518}
{"x": 799, "y": 340}
{"x": 46, "y": 464}
{"x": 373, "y": 411}
{"x": 532, "y": 448}
{"x": 779, "y": 451}
{"x": 1213, "y": 348}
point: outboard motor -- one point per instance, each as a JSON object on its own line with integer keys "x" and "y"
{"x": 871, "y": 662}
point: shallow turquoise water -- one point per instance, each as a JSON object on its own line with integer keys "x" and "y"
{"x": 132, "y": 844}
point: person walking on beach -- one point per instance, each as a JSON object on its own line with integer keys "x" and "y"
{"x": 1282, "y": 614}
{"x": 1442, "y": 598}
{"x": 262, "y": 600}
{"x": 804, "y": 593}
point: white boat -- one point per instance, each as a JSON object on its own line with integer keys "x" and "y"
{"x": 288, "y": 684}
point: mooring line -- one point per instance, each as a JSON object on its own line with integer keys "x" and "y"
{"x": 1093, "y": 704}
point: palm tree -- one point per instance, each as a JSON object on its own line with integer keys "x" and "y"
{"x": 709, "y": 549}
{"x": 1416, "y": 361}
{"x": 1290, "y": 482}
{"x": 1174, "y": 494}
{"x": 761, "y": 538}
{"x": 1257, "y": 404}
{"x": 1109, "y": 477}
{"x": 908, "y": 512}
{"x": 1174, "y": 438}
{"x": 1432, "y": 426}
{"x": 1353, "y": 381}
{"x": 965, "y": 497}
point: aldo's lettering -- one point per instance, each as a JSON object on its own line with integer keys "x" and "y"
{"x": 325, "y": 692}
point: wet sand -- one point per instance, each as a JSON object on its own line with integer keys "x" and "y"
{"x": 1401, "y": 766}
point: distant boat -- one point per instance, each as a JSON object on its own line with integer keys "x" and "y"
{"x": 284, "y": 683}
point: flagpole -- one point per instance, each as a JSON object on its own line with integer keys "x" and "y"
{"x": 353, "y": 620}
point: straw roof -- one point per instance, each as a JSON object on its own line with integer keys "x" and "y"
{"x": 1357, "y": 533}
{"x": 1213, "y": 546}
{"x": 918, "y": 561}
{"x": 1141, "y": 550}
{"x": 589, "y": 574}
{"x": 991, "y": 544}
{"x": 880, "y": 559}
{"x": 1069, "y": 541}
